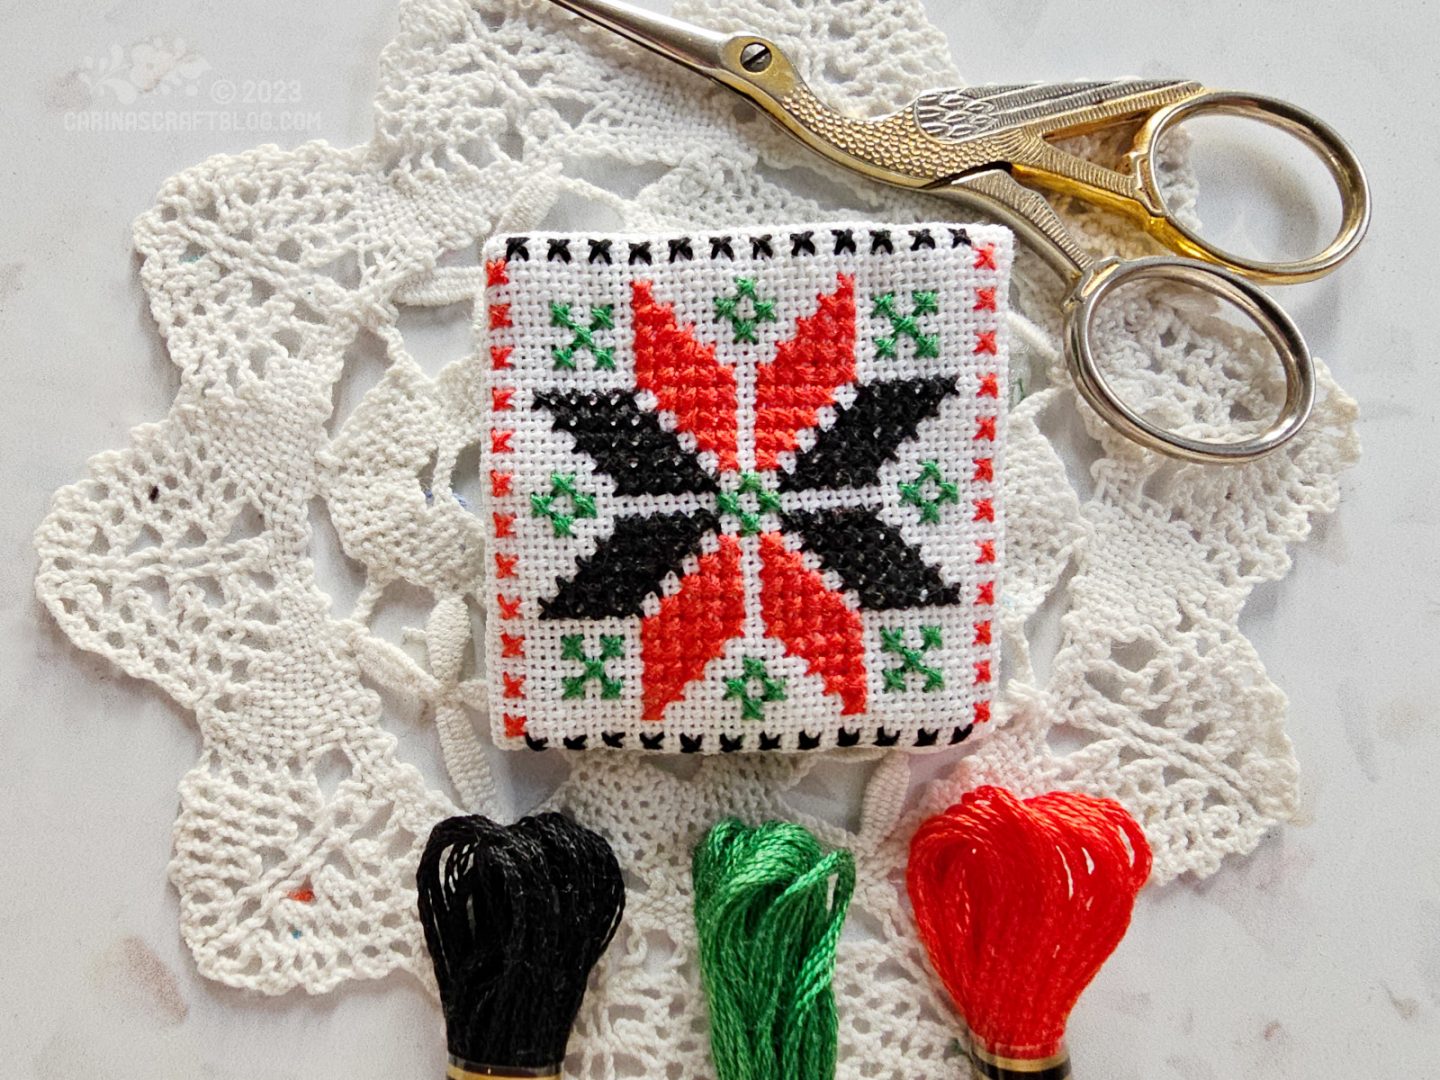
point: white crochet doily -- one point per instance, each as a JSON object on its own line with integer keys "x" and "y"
{"x": 283, "y": 279}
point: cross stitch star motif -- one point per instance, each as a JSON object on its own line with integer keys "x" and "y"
{"x": 755, "y": 689}
{"x": 592, "y": 667}
{"x": 755, "y": 515}
{"x": 562, "y": 486}
{"x": 584, "y": 336}
{"x": 749, "y": 512}
{"x": 912, "y": 661}
{"x": 729, "y": 308}
{"x": 930, "y": 491}
{"x": 924, "y": 302}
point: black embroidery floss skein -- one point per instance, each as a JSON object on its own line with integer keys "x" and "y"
{"x": 515, "y": 917}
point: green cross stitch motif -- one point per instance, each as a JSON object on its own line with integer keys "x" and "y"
{"x": 924, "y": 302}
{"x": 562, "y": 486}
{"x": 916, "y": 491}
{"x": 601, "y": 318}
{"x": 728, "y": 307}
{"x": 754, "y": 689}
{"x": 736, "y": 505}
{"x": 911, "y": 660}
{"x": 612, "y": 647}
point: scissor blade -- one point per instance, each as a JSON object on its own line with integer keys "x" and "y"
{"x": 973, "y": 111}
{"x": 688, "y": 44}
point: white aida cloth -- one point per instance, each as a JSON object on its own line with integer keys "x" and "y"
{"x": 741, "y": 488}
{"x": 188, "y": 557}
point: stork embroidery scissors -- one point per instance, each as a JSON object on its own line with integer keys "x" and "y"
{"x": 982, "y": 145}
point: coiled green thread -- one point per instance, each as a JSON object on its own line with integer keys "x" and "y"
{"x": 768, "y": 918}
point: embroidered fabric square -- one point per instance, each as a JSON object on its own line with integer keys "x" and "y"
{"x": 742, "y": 488}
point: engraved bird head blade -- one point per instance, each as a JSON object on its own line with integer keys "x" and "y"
{"x": 973, "y": 111}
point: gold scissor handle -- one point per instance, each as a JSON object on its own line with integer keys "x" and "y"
{"x": 1137, "y": 192}
{"x": 1322, "y": 139}
{"x": 1093, "y": 281}
{"x": 1103, "y": 278}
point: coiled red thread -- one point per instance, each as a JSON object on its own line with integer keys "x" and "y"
{"x": 1019, "y": 903}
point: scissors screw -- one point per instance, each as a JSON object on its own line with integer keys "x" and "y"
{"x": 755, "y": 57}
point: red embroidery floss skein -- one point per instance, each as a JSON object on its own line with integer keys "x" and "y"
{"x": 1018, "y": 904}
{"x": 515, "y": 917}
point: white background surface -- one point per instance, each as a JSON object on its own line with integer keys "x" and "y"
{"x": 1317, "y": 956}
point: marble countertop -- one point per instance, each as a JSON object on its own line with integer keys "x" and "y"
{"x": 1319, "y": 955}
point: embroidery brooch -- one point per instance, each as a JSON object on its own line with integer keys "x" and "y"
{"x": 743, "y": 488}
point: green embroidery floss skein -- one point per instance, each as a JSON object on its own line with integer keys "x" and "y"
{"x": 769, "y": 902}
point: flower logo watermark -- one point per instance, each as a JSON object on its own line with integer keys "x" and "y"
{"x": 149, "y": 87}
{"x": 156, "y": 66}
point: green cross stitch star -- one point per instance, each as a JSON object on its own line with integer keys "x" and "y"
{"x": 915, "y": 491}
{"x": 562, "y": 486}
{"x": 601, "y": 318}
{"x": 911, "y": 660}
{"x": 734, "y": 503}
{"x": 572, "y": 647}
{"x": 924, "y": 302}
{"x": 752, "y": 703}
{"x": 728, "y": 307}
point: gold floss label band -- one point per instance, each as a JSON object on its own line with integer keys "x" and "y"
{"x": 987, "y": 1066}
{"x": 460, "y": 1069}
